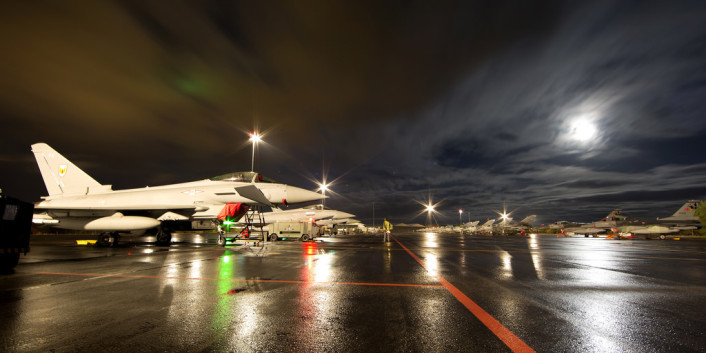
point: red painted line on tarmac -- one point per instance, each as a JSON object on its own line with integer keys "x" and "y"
{"x": 242, "y": 280}
{"x": 505, "y": 335}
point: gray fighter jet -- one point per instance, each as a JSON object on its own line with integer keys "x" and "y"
{"x": 77, "y": 201}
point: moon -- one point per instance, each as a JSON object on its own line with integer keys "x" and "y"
{"x": 583, "y": 130}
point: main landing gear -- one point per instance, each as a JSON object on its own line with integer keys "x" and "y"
{"x": 108, "y": 239}
{"x": 164, "y": 236}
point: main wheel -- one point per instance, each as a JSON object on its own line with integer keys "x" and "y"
{"x": 164, "y": 236}
{"x": 221, "y": 240}
{"x": 105, "y": 239}
{"x": 305, "y": 237}
{"x": 116, "y": 238}
{"x": 273, "y": 237}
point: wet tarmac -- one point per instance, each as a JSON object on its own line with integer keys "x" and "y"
{"x": 421, "y": 293}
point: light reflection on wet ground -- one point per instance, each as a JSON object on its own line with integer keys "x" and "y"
{"x": 358, "y": 294}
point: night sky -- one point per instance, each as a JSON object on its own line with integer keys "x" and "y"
{"x": 563, "y": 109}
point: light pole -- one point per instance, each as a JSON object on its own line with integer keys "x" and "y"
{"x": 255, "y": 138}
{"x": 460, "y": 212}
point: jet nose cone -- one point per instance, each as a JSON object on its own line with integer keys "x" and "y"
{"x": 297, "y": 195}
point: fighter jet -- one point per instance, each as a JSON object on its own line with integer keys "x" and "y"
{"x": 563, "y": 225}
{"x": 682, "y": 219}
{"x": 508, "y": 226}
{"x": 313, "y": 213}
{"x": 470, "y": 227}
{"x": 614, "y": 219}
{"x": 487, "y": 227}
{"x": 77, "y": 201}
{"x": 336, "y": 221}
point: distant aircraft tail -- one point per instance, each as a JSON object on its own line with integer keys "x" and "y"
{"x": 60, "y": 175}
{"x": 529, "y": 220}
{"x": 615, "y": 215}
{"x": 488, "y": 223}
{"x": 686, "y": 210}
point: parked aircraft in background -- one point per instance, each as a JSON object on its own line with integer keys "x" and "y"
{"x": 486, "y": 227}
{"x": 612, "y": 220}
{"x": 313, "y": 213}
{"x": 316, "y": 214}
{"x": 507, "y": 226}
{"x": 77, "y": 201}
{"x": 563, "y": 225}
{"x": 682, "y": 219}
{"x": 470, "y": 227}
{"x": 336, "y": 221}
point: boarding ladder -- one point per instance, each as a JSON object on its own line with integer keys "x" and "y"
{"x": 254, "y": 225}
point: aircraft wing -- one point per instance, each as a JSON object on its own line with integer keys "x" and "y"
{"x": 253, "y": 193}
{"x": 653, "y": 229}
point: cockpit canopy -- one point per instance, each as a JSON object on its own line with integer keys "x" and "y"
{"x": 244, "y": 177}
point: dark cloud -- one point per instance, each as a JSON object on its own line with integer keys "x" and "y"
{"x": 645, "y": 195}
{"x": 594, "y": 184}
{"x": 473, "y": 103}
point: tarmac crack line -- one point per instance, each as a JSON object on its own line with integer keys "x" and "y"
{"x": 513, "y": 342}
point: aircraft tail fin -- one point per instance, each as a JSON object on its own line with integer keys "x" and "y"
{"x": 687, "y": 210}
{"x": 60, "y": 175}
{"x": 529, "y": 220}
{"x": 615, "y": 215}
